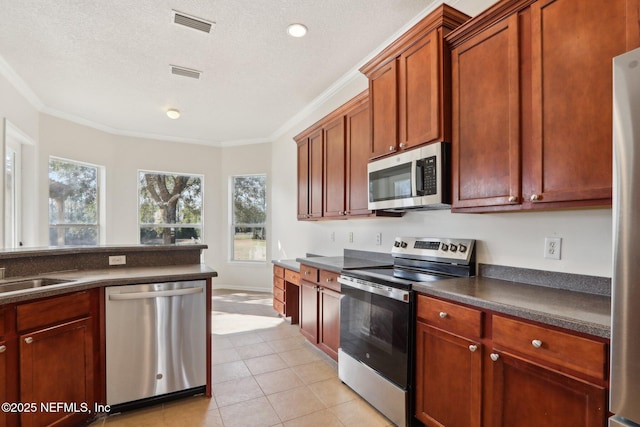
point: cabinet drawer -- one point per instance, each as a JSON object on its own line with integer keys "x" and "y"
{"x": 278, "y": 282}
{"x": 329, "y": 279}
{"x": 310, "y": 274}
{"x": 278, "y": 271}
{"x": 278, "y": 306}
{"x": 564, "y": 349}
{"x": 278, "y": 294}
{"x": 292, "y": 277}
{"x": 53, "y": 310}
{"x": 450, "y": 317}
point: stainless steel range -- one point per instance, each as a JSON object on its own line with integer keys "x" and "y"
{"x": 377, "y": 319}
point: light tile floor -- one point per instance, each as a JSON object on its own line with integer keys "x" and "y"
{"x": 264, "y": 374}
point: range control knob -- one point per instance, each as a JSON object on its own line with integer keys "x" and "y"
{"x": 444, "y": 247}
{"x": 453, "y": 248}
{"x": 403, "y": 244}
{"x": 462, "y": 248}
{"x": 396, "y": 244}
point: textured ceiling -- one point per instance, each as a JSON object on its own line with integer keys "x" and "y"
{"x": 106, "y": 63}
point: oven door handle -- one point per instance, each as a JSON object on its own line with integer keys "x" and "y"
{"x": 374, "y": 288}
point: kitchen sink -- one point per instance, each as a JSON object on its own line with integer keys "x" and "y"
{"x": 20, "y": 285}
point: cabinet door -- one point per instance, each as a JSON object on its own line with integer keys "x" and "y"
{"x": 56, "y": 365}
{"x": 329, "y": 312}
{"x": 527, "y": 395}
{"x": 486, "y": 118}
{"x": 420, "y": 92}
{"x": 448, "y": 379}
{"x": 309, "y": 311}
{"x": 303, "y": 179}
{"x": 4, "y": 396}
{"x": 316, "y": 174}
{"x": 572, "y": 49}
{"x": 358, "y": 140}
{"x": 334, "y": 168}
{"x": 384, "y": 114}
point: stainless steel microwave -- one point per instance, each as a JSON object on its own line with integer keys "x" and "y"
{"x": 411, "y": 180}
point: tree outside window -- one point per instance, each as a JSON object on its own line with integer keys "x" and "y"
{"x": 249, "y": 217}
{"x": 170, "y": 208}
{"x": 73, "y": 203}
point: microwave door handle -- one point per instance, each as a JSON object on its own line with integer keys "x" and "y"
{"x": 418, "y": 191}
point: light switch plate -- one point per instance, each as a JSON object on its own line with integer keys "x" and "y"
{"x": 117, "y": 260}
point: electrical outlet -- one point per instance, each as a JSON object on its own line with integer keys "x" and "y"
{"x": 378, "y": 239}
{"x": 552, "y": 247}
{"x": 117, "y": 260}
{"x": 351, "y": 237}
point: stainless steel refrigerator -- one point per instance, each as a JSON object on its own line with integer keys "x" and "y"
{"x": 625, "y": 310}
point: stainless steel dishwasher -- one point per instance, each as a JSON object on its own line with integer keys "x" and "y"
{"x": 155, "y": 340}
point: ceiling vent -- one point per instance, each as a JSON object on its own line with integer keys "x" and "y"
{"x": 185, "y": 72}
{"x": 192, "y": 22}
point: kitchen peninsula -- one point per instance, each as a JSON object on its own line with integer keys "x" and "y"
{"x": 52, "y": 321}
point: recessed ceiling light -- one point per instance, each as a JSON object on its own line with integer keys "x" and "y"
{"x": 296, "y": 30}
{"x": 173, "y": 113}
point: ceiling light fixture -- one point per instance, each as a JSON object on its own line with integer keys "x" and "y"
{"x": 296, "y": 30}
{"x": 173, "y": 113}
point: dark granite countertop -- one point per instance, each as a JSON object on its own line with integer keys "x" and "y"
{"x": 577, "y": 311}
{"x": 87, "y": 279}
{"x": 339, "y": 263}
{"x": 289, "y": 264}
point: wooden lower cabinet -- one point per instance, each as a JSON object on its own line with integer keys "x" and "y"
{"x": 448, "y": 379}
{"x": 497, "y": 371}
{"x": 528, "y": 395}
{"x": 320, "y": 308}
{"x": 56, "y": 366}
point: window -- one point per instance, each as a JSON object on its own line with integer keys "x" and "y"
{"x": 170, "y": 208}
{"x": 249, "y": 217}
{"x": 73, "y": 203}
{"x": 12, "y": 192}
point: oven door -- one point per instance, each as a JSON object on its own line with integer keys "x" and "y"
{"x": 376, "y": 328}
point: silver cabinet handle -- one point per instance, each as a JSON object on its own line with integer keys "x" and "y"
{"x": 391, "y": 148}
{"x": 536, "y": 343}
{"x": 513, "y": 199}
{"x": 306, "y": 272}
{"x": 3, "y": 348}
{"x": 443, "y": 314}
{"x": 403, "y": 145}
{"x": 534, "y": 197}
{"x": 473, "y": 348}
{"x": 329, "y": 279}
{"x": 494, "y": 357}
{"x": 28, "y": 340}
{"x": 154, "y": 294}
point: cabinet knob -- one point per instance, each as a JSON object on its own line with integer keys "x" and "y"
{"x": 28, "y": 340}
{"x": 473, "y": 348}
{"x": 3, "y": 348}
{"x": 494, "y": 357}
{"x": 391, "y": 148}
{"x": 534, "y": 197}
{"x": 443, "y": 314}
{"x": 536, "y": 343}
{"x": 513, "y": 199}
{"x": 329, "y": 279}
{"x": 403, "y": 145}
{"x": 306, "y": 272}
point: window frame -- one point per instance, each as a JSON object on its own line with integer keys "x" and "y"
{"x": 199, "y": 225}
{"x": 233, "y": 225}
{"x": 99, "y": 225}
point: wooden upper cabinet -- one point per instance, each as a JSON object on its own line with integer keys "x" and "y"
{"x": 532, "y": 103}
{"x": 334, "y": 168}
{"x": 409, "y": 86}
{"x": 486, "y": 125}
{"x": 310, "y": 175}
{"x": 358, "y": 137}
{"x": 332, "y": 163}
